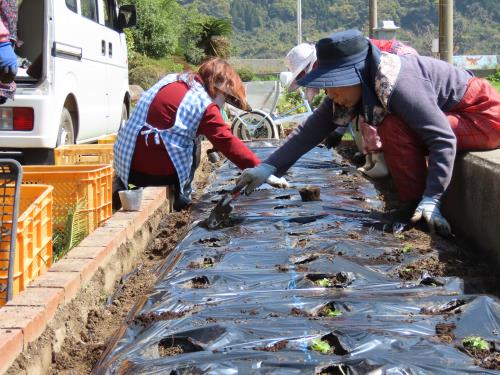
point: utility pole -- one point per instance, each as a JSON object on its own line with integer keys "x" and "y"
{"x": 299, "y": 21}
{"x": 372, "y": 10}
{"x": 446, "y": 30}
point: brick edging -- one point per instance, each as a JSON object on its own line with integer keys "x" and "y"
{"x": 25, "y": 318}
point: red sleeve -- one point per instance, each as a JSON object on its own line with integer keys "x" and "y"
{"x": 219, "y": 134}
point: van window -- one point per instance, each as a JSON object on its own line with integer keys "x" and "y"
{"x": 71, "y": 4}
{"x": 89, "y": 9}
{"x": 109, "y": 13}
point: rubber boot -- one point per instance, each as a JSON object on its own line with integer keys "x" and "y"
{"x": 368, "y": 164}
{"x": 379, "y": 169}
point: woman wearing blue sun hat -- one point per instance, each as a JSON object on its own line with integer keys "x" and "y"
{"x": 421, "y": 107}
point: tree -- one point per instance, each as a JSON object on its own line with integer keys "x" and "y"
{"x": 214, "y": 37}
{"x": 158, "y": 27}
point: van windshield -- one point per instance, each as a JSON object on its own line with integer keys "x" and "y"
{"x": 30, "y": 34}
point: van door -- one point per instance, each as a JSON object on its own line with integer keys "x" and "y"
{"x": 79, "y": 30}
{"x": 117, "y": 64}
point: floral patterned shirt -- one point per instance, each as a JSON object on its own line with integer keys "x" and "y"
{"x": 385, "y": 80}
{"x": 8, "y": 18}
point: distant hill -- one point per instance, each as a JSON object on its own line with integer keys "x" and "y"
{"x": 268, "y": 29}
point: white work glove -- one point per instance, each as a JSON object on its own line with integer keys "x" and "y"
{"x": 278, "y": 182}
{"x": 252, "y": 178}
{"x": 428, "y": 208}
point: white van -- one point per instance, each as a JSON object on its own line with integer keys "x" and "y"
{"x": 72, "y": 81}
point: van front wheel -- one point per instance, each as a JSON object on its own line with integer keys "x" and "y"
{"x": 66, "y": 134}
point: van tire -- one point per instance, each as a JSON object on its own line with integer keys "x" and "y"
{"x": 124, "y": 117}
{"x": 66, "y": 135}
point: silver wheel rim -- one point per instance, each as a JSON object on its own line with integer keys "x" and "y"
{"x": 124, "y": 117}
{"x": 254, "y": 126}
{"x": 66, "y": 137}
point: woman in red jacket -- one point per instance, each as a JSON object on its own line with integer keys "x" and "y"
{"x": 159, "y": 145}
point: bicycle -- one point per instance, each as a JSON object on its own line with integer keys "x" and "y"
{"x": 264, "y": 122}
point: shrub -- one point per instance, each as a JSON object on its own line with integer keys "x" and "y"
{"x": 145, "y": 72}
{"x": 144, "y": 76}
{"x": 318, "y": 99}
{"x": 494, "y": 77}
{"x": 194, "y": 55}
{"x": 246, "y": 74}
{"x": 289, "y": 100}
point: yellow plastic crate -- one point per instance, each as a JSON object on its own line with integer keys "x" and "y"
{"x": 72, "y": 183}
{"x": 84, "y": 154}
{"x": 33, "y": 239}
{"x": 108, "y": 139}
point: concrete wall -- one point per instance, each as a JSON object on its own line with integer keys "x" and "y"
{"x": 472, "y": 203}
{"x": 263, "y": 66}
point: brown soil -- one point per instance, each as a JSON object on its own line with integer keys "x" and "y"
{"x": 310, "y": 193}
{"x": 198, "y": 283}
{"x": 281, "y": 268}
{"x": 301, "y": 268}
{"x": 444, "y": 258}
{"x": 295, "y": 311}
{"x": 82, "y": 349}
{"x": 301, "y": 242}
{"x": 210, "y": 242}
{"x": 485, "y": 358}
{"x": 86, "y": 340}
{"x": 207, "y": 262}
{"x": 444, "y": 332}
{"x": 414, "y": 271}
{"x": 274, "y": 348}
{"x": 151, "y": 317}
{"x": 451, "y": 307}
{"x": 169, "y": 351}
{"x": 339, "y": 280}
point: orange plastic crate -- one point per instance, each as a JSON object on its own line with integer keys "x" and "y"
{"x": 33, "y": 239}
{"x": 84, "y": 154}
{"x": 72, "y": 183}
{"x": 108, "y": 139}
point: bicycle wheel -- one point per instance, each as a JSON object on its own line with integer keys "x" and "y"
{"x": 253, "y": 125}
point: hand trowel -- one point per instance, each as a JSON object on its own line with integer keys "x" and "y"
{"x": 223, "y": 208}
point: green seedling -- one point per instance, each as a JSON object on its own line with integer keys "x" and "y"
{"x": 406, "y": 248}
{"x": 131, "y": 186}
{"x": 320, "y": 346}
{"x": 475, "y": 342}
{"x": 332, "y": 313}
{"x": 325, "y": 283}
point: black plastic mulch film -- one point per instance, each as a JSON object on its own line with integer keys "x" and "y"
{"x": 264, "y": 295}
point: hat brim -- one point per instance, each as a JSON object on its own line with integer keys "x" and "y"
{"x": 292, "y": 86}
{"x": 339, "y": 73}
{"x": 326, "y": 77}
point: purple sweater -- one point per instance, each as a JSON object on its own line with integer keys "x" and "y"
{"x": 424, "y": 90}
